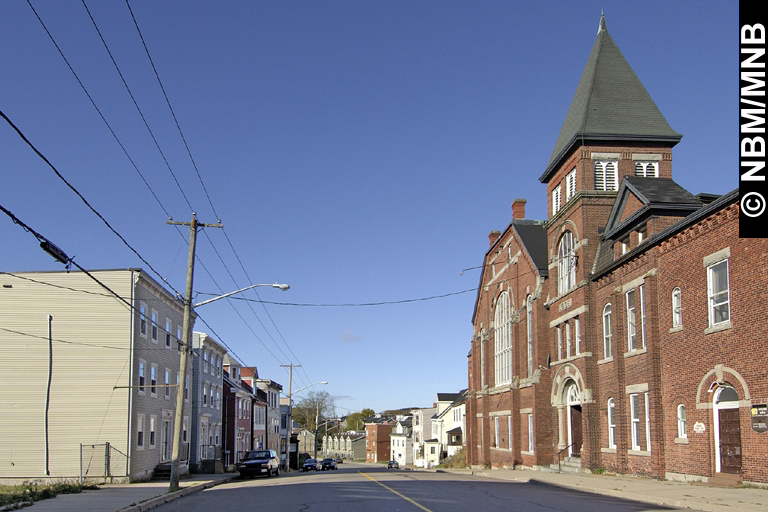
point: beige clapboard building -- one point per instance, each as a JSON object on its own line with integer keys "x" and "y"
{"x": 88, "y": 378}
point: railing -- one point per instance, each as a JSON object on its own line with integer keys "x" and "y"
{"x": 561, "y": 452}
{"x": 210, "y": 452}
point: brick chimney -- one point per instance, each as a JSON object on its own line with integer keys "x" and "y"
{"x": 493, "y": 236}
{"x": 518, "y": 209}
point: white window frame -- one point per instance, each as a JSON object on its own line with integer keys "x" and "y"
{"x": 152, "y": 432}
{"x": 611, "y": 423}
{"x": 647, "y": 422}
{"x": 631, "y": 321}
{"x": 682, "y": 422}
{"x": 140, "y": 431}
{"x": 167, "y": 383}
{"x": 608, "y": 331}
{"x": 634, "y": 405}
{"x": 503, "y": 339}
{"x": 205, "y": 394}
{"x": 716, "y": 295}
{"x": 154, "y": 327}
{"x": 642, "y": 315}
{"x": 142, "y": 320}
{"x": 509, "y": 431}
{"x": 529, "y": 317}
{"x": 497, "y": 438}
{"x": 559, "y": 343}
{"x": 566, "y": 263}
{"x": 556, "y": 200}
{"x": 570, "y": 185}
{"x": 530, "y": 433}
{"x": 153, "y": 380}
{"x": 567, "y": 339}
{"x": 677, "y": 307}
{"x": 606, "y": 174}
{"x": 142, "y": 389}
{"x": 577, "y": 335}
{"x": 167, "y": 333}
{"x": 646, "y": 169}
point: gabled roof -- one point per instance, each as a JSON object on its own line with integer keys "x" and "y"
{"x": 610, "y": 104}
{"x": 658, "y": 196}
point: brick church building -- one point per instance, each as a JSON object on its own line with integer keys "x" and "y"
{"x": 627, "y": 332}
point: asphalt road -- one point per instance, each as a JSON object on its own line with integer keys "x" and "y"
{"x": 361, "y": 487}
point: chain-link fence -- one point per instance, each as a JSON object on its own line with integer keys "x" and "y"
{"x": 102, "y": 462}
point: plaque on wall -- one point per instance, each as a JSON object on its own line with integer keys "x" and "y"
{"x": 759, "y": 415}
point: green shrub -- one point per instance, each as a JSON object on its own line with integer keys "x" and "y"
{"x": 457, "y": 460}
{"x": 30, "y": 491}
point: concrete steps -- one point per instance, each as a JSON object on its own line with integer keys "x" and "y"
{"x": 570, "y": 465}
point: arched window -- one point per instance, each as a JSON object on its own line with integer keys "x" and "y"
{"x": 682, "y": 422}
{"x": 611, "y": 423}
{"x": 677, "y": 308}
{"x": 566, "y": 264}
{"x": 503, "y": 340}
{"x": 607, "y": 337}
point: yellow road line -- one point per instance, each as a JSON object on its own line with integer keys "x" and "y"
{"x": 406, "y": 498}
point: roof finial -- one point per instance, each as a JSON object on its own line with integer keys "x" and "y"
{"x": 602, "y": 27}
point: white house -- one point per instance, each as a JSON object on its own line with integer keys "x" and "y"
{"x": 89, "y": 374}
{"x": 402, "y": 442}
{"x": 422, "y": 430}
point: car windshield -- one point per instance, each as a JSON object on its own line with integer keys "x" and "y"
{"x": 327, "y": 460}
{"x": 259, "y": 454}
{"x": 310, "y": 461}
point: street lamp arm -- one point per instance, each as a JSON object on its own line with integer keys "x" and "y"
{"x": 309, "y": 386}
{"x": 282, "y": 287}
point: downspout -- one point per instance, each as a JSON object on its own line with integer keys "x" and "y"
{"x": 131, "y": 352}
{"x": 48, "y": 393}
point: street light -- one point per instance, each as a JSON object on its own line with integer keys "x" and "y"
{"x": 175, "y": 450}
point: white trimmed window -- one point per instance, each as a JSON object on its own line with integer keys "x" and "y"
{"x": 503, "y": 340}
{"x": 184, "y": 429}
{"x": 530, "y": 433}
{"x": 167, "y": 333}
{"x": 178, "y": 338}
{"x": 556, "y": 200}
{"x": 496, "y": 439}
{"x": 647, "y": 169}
{"x": 154, "y": 326}
{"x": 567, "y": 339}
{"x": 642, "y": 315}
{"x": 611, "y": 423}
{"x": 718, "y": 293}
{"x": 205, "y": 395}
{"x": 682, "y": 422}
{"x": 529, "y": 315}
{"x": 205, "y": 360}
{"x": 570, "y": 185}
{"x": 142, "y": 376}
{"x": 152, "y": 432}
{"x": 186, "y": 387}
{"x": 143, "y": 319}
{"x": 634, "y": 411}
{"x": 140, "y": 431}
{"x": 509, "y": 431}
{"x": 153, "y": 380}
{"x": 167, "y": 383}
{"x": 607, "y": 336}
{"x": 577, "y": 335}
{"x": 566, "y": 263}
{"x": 631, "y": 321}
{"x": 606, "y": 175}
{"x": 677, "y": 308}
{"x": 559, "y": 333}
{"x": 647, "y": 422}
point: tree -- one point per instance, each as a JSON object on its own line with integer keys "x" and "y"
{"x": 356, "y": 420}
{"x": 316, "y": 404}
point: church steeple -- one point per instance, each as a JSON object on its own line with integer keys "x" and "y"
{"x": 610, "y": 104}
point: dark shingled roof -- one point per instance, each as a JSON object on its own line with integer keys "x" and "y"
{"x": 534, "y": 238}
{"x": 610, "y": 104}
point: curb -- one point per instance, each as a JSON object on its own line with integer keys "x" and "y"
{"x": 171, "y": 496}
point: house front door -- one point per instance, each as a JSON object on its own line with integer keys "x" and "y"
{"x": 576, "y": 437}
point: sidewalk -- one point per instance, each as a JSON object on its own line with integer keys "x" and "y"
{"x": 127, "y": 497}
{"x": 696, "y": 496}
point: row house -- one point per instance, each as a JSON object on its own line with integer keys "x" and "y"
{"x": 207, "y": 397}
{"x": 237, "y": 410}
{"x": 421, "y": 431}
{"x": 346, "y": 445}
{"x": 401, "y": 441}
{"x": 448, "y": 428}
{"x": 377, "y": 439}
{"x": 271, "y": 390}
{"x": 54, "y": 322}
{"x": 623, "y": 332}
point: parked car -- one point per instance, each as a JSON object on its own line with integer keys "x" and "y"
{"x": 329, "y": 464}
{"x": 259, "y": 462}
{"x": 339, "y": 461}
{"x": 311, "y": 464}
{"x": 393, "y": 464}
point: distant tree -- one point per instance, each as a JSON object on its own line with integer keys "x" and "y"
{"x": 367, "y": 413}
{"x": 316, "y": 404}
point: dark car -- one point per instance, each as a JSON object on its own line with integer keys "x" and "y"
{"x": 393, "y": 464}
{"x": 339, "y": 461}
{"x": 329, "y": 464}
{"x": 259, "y": 462}
{"x": 311, "y": 464}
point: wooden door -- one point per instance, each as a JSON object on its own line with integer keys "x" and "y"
{"x": 730, "y": 441}
{"x": 576, "y": 437}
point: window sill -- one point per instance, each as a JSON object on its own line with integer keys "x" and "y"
{"x": 637, "y": 352}
{"x": 719, "y": 327}
{"x": 639, "y": 453}
{"x": 681, "y": 440}
{"x": 676, "y": 329}
{"x": 608, "y": 450}
{"x": 526, "y": 453}
{"x": 606, "y": 360}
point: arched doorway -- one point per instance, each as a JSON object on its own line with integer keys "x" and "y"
{"x": 727, "y": 430}
{"x": 573, "y": 405}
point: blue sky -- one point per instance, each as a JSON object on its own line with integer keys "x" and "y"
{"x": 359, "y": 151}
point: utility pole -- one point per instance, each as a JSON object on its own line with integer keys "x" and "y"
{"x": 289, "y": 426}
{"x": 185, "y": 345}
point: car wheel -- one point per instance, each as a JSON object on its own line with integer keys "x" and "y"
{"x": 277, "y": 471}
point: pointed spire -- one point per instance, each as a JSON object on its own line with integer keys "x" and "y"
{"x": 602, "y": 27}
